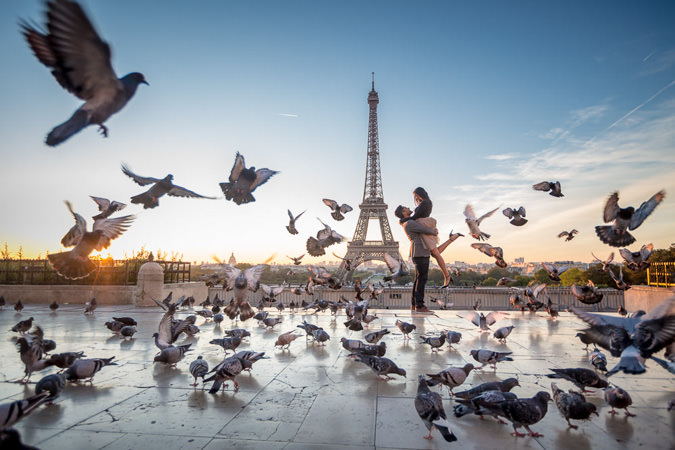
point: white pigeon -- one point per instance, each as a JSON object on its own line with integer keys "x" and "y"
{"x": 80, "y": 61}
{"x": 474, "y": 222}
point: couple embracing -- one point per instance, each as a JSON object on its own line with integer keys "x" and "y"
{"x": 421, "y": 229}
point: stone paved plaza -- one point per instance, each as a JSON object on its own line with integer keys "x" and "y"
{"x": 313, "y": 397}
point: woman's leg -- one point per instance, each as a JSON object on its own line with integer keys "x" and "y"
{"x": 441, "y": 263}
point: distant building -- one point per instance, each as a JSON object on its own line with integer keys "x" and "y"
{"x": 232, "y": 261}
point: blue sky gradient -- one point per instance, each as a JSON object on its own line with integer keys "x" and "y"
{"x": 478, "y": 101}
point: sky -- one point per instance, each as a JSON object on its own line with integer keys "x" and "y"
{"x": 478, "y": 101}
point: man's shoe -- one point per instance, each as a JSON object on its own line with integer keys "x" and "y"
{"x": 412, "y": 308}
{"x": 422, "y": 309}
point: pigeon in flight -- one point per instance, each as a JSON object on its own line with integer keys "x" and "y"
{"x": 620, "y": 283}
{"x": 545, "y": 186}
{"x": 554, "y": 272}
{"x": 324, "y": 238}
{"x": 296, "y": 261}
{"x": 624, "y": 219}
{"x": 605, "y": 263}
{"x": 397, "y": 268}
{"x": 291, "y": 222}
{"x": 495, "y": 252}
{"x": 587, "y": 294}
{"x": 637, "y": 260}
{"x": 150, "y": 198}
{"x": 106, "y": 207}
{"x": 242, "y": 282}
{"x": 568, "y": 235}
{"x": 473, "y": 222}
{"x": 243, "y": 181}
{"x": 80, "y": 61}
{"x": 503, "y": 281}
{"x": 337, "y": 209}
{"x": 517, "y": 216}
{"x": 75, "y": 264}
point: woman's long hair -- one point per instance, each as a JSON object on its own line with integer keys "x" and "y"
{"x": 421, "y": 192}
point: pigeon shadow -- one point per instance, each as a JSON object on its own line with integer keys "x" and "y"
{"x": 619, "y": 427}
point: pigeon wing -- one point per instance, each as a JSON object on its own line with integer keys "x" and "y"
{"x": 332, "y": 204}
{"x": 611, "y": 208}
{"x": 239, "y": 165}
{"x": 142, "y": 181}
{"x": 563, "y": 234}
{"x": 627, "y": 255}
{"x": 654, "y": 335}
{"x": 261, "y": 177}
{"x": 178, "y": 191}
{"x": 468, "y": 212}
{"x": 78, "y": 57}
{"x": 494, "y": 316}
{"x": 74, "y": 235}
{"x": 473, "y": 317}
{"x": 508, "y": 212}
{"x": 391, "y": 263}
{"x": 103, "y": 203}
{"x": 231, "y": 273}
{"x": 345, "y": 208}
{"x": 645, "y": 210}
{"x": 521, "y": 211}
{"x": 543, "y": 186}
{"x": 646, "y": 251}
{"x": 486, "y": 215}
{"x": 483, "y": 248}
{"x": 252, "y": 275}
{"x": 111, "y": 229}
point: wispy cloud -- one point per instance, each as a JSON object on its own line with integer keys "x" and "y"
{"x": 655, "y": 63}
{"x": 503, "y": 157}
{"x": 287, "y": 115}
{"x": 641, "y": 105}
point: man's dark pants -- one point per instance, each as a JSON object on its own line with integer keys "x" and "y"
{"x": 421, "y": 276}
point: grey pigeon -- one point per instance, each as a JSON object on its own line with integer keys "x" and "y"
{"x": 523, "y": 412}
{"x": 381, "y": 366}
{"x": 337, "y": 210}
{"x": 172, "y": 355}
{"x": 474, "y": 222}
{"x": 572, "y": 405}
{"x": 243, "y": 181}
{"x": 270, "y": 322}
{"x": 237, "y": 332}
{"x": 375, "y": 336}
{"x": 228, "y": 369}
{"x": 80, "y": 61}
{"x": 581, "y": 377}
{"x": 450, "y": 377}
{"x": 503, "y": 386}
{"x": 496, "y": 252}
{"x": 605, "y": 264}
{"x": 230, "y": 343}
{"x": 90, "y": 306}
{"x": 291, "y": 222}
{"x": 324, "y": 238}
{"x": 18, "y": 306}
{"x": 483, "y": 403}
{"x": 517, "y": 216}
{"x": 106, "y": 207}
{"x": 637, "y": 260}
{"x": 352, "y": 345}
{"x": 587, "y": 294}
{"x": 75, "y": 264}
{"x": 618, "y": 398}
{"x": 128, "y": 331}
{"x": 553, "y": 186}
{"x": 598, "y": 360}
{"x": 632, "y": 338}
{"x": 503, "y": 281}
{"x": 22, "y": 326}
{"x": 11, "y": 413}
{"x": 66, "y": 359}
{"x": 585, "y": 339}
{"x": 30, "y": 351}
{"x": 429, "y": 406}
{"x": 503, "y": 332}
{"x": 484, "y": 356}
{"x": 150, "y": 198}
{"x": 87, "y": 368}
{"x": 406, "y": 328}
{"x": 249, "y": 357}
{"x": 199, "y": 368}
{"x": 371, "y": 350}
{"x": 484, "y": 321}
{"x": 568, "y": 235}
{"x": 435, "y": 342}
{"x": 620, "y": 283}
{"x": 308, "y": 327}
{"x": 296, "y": 261}
{"x": 126, "y": 320}
{"x": 397, "y": 268}
{"x": 241, "y": 282}
{"x": 624, "y": 219}
{"x": 53, "y": 306}
{"x": 320, "y": 336}
{"x": 453, "y": 337}
{"x": 53, "y": 384}
{"x": 554, "y": 272}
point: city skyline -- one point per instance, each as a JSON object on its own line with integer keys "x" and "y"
{"x": 477, "y": 103}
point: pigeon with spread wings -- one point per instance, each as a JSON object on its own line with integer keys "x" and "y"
{"x": 241, "y": 282}
{"x": 624, "y": 219}
{"x": 80, "y": 61}
{"x": 517, "y": 216}
{"x": 495, "y": 252}
{"x": 324, "y": 238}
{"x": 243, "y": 181}
{"x": 396, "y": 267}
{"x": 637, "y": 260}
{"x": 337, "y": 209}
{"x": 553, "y": 186}
{"x": 75, "y": 264}
{"x": 473, "y": 222}
{"x": 150, "y": 198}
{"x": 291, "y": 222}
{"x": 568, "y": 235}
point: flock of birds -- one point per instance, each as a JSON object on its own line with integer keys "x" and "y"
{"x": 80, "y": 62}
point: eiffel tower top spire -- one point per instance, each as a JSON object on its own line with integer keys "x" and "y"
{"x": 372, "y": 191}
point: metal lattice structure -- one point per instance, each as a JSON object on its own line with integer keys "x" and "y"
{"x": 373, "y": 207}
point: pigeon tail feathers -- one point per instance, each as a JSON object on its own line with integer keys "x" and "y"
{"x": 445, "y": 431}
{"x": 146, "y": 200}
{"x": 77, "y": 122}
{"x": 608, "y": 235}
{"x": 71, "y": 266}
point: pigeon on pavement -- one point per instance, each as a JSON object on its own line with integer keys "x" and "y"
{"x": 406, "y": 328}
{"x": 484, "y": 356}
{"x": 80, "y": 61}
{"x": 53, "y": 384}
{"x": 572, "y": 405}
{"x": 11, "y": 413}
{"x": 618, "y": 398}
{"x": 450, "y": 377}
{"x": 523, "y": 412}
{"x": 199, "y": 368}
{"x": 429, "y": 406}
{"x": 87, "y": 368}
{"x": 381, "y": 366}
{"x": 503, "y": 386}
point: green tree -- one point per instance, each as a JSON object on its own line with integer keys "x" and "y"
{"x": 541, "y": 276}
{"x": 573, "y": 276}
{"x": 489, "y": 281}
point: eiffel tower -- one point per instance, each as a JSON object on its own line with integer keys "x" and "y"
{"x": 359, "y": 250}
